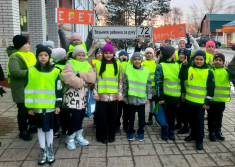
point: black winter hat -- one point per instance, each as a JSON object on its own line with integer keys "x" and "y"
{"x": 220, "y": 55}
{"x": 43, "y": 49}
{"x": 19, "y": 41}
{"x": 167, "y": 51}
{"x": 181, "y": 51}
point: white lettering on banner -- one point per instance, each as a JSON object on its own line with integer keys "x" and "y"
{"x": 60, "y": 12}
{"x": 80, "y": 17}
{"x": 172, "y": 34}
{"x": 90, "y": 17}
{"x": 182, "y": 30}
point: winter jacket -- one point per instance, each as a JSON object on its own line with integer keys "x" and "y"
{"x": 159, "y": 78}
{"x": 65, "y": 44}
{"x": 107, "y": 97}
{"x": 133, "y": 100}
{"x": 142, "y": 47}
{"x": 75, "y": 91}
{"x": 210, "y": 85}
{"x": 18, "y": 69}
{"x": 231, "y": 70}
{"x": 1, "y": 74}
{"x": 194, "y": 43}
{"x": 58, "y": 89}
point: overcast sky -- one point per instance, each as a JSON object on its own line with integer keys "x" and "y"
{"x": 184, "y": 4}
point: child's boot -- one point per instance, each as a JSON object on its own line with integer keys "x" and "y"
{"x": 43, "y": 157}
{"x": 50, "y": 155}
{"x": 199, "y": 144}
{"x": 219, "y": 134}
{"x": 79, "y": 139}
{"x": 70, "y": 141}
{"x": 212, "y": 134}
{"x": 150, "y": 120}
{"x": 171, "y": 135}
{"x": 164, "y": 134}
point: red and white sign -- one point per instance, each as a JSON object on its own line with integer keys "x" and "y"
{"x": 73, "y": 16}
{"x": 174, "y": 31}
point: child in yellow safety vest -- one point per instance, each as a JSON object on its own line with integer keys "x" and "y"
{"x": 77, "y": 75}
{"x": 137, "y": 93}
{"x": 151, "y": 63}
{"x": 168, "y": 87}
{"x": 221, "y": 95}
{"x": 210, "y": 51}
{"x": 98, "y": 56}
{"x": 122, "y": 106}
{"x": 107, "y": 91}
{"x": 43, "y": 98}
{"x": 200, "y": 86}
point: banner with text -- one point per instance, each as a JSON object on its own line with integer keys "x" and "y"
{"x": 73, "y": 16}
{"x": 174, "y": 31}
{"x": 122, "y": 32}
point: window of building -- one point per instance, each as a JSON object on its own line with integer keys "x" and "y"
{"x": 23, "y": 15}
{"x": 204, "y": 25}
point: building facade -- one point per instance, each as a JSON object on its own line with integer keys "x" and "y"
{"x": 35, "y": 19}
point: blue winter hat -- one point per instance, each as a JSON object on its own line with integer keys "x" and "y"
{"x": 123, "y": 53}
{"x": 49, "y": 43}
{"x": 200, "y": 53}
{"x": 98, "y": 49}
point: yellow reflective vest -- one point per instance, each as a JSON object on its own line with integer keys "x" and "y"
{"x": 80, "y": 66}
{"x": 108, "y": 83}
{"x": 151, "y": 65}
{"x": 28, "y": 57}
{"x": 176, "y": 55}
{"x": 137, "y": 81}
{"x": 196, "y": 89}
{"x": 171, "y": 83}
{"x": 222, "y": 85}
{"x": 209, "y": 56}
{"x": 40, "y": 91}
{"x": 71, "y": 48}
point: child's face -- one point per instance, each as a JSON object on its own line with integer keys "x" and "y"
{"x": 137, "y": 62}
{"x": 76, "y": 42}
{"x": 199, "y": 61}
{"x": 218, "y": 62}
{"x": 25, "y": 47}
{"x": 123, "y": 57}
{"x": 108, "y": 55}
{"x": 181, "y": 44}
{"x": 149, "y": 56}
{"x": 181, "y": 56}
{"x": 210, "y": 49}
{"x": 43, "y": 58}
{"x": 80, "y": 57}
{"x": 99, "y": 55}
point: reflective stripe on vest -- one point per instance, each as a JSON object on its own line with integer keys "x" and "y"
{"x": 29, "y": 59}
{"x": 40, "y": 90}
{"x": 108, "y": 83}
{"x": 151, "y": 64}
{"x": 137, "y": 81}
{"x": 209, "y": 56}
{"x": 197, "y": 85}
{"x": 80, "y": 66}
{"x": 222, "y": 85}
{"x": 171, "y": 83}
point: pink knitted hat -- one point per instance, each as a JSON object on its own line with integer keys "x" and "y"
{"x": 209, "y": 43}
{"x": 76, "y": 35}
{"x": 108, "y": 47}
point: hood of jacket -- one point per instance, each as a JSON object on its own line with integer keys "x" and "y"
{"x": 10, "y": 50}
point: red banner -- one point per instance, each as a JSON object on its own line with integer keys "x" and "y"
{"x": 174, "y": 31}
{"x": 74, "y": 16}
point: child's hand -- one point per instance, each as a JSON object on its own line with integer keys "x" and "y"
{"x": 57, "y": 110}
{"x": 211, "y": 63}
{"x": 161, "y": 102}
{"x": 206, "y": 107}
{"x": 183, "y": 97}
{"x": 147, "y": 102}
{"x": 141, "y": 40}
{"x": 30, "y": 112}
{"x": 216, "y": 52}
{"x": 126, "y": 102}
{"x": 226, "y": 64}
{"x": 185, "y": 62}
{"x": 106, "y": 39}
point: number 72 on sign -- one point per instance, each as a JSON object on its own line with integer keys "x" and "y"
{"x": 144, "y": 31}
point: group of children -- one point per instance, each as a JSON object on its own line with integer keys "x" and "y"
{"x": 123, "y": 86}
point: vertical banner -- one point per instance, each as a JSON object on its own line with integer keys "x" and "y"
{"x": 73, "y": 16}
{"x": 174, "y": 31}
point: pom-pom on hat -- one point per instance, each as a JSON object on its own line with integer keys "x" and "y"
{"x": 108, "y": 47}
